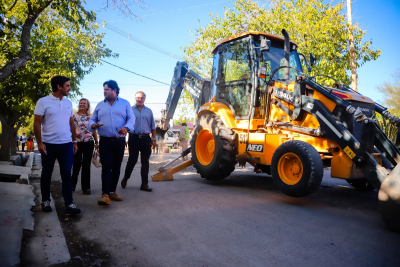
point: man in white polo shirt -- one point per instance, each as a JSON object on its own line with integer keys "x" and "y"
{"x": 54, "y": 127}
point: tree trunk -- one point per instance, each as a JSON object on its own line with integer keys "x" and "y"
{"x": 5, "y": 150}
{"x": 13, "y": 141}
{"x": 353, "y": 64}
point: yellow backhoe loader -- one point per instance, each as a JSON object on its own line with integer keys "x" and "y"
{"x": 260, "y": 108}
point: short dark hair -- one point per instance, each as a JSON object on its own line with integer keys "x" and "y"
{"x": 113, "y": 85}
{"x": 58, "y": 80}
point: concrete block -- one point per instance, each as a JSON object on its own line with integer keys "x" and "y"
{"x": 16, "y": 159}
{"x": 14, "y": 170}
{"x": 29, "y": 162}
{"x": 16, "y": 201}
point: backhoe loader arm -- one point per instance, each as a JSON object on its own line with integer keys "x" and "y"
{"x": 184, "y": 78}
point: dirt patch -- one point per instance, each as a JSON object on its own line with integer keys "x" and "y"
{"x": 83, "y": 252}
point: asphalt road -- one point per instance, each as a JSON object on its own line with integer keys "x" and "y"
{"x": 243, "y": 220}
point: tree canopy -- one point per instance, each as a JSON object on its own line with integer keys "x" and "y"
{"x": 316, "y": 27}
{"x": 58, "y": 47}
{"x": 391, "y": 92}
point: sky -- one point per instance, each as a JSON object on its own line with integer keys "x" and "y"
{"x": 167, "y": 25}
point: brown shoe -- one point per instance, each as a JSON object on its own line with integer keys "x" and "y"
{"x": 123, "y": 182}
{"x": 104, "y": 200}
{"x": 146, "y": 187}
{"x": 114, "y": 196}
{"x": 87, "y": 192}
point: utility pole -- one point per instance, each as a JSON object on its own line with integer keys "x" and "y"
{"x": 351, "y": 47}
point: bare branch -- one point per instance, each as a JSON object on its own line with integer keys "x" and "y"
{"x": 13, "y": 5}
{"x": 125, "y": 7}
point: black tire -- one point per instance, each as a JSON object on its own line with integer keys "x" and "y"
{"x": 310, "y": 163}
{"x": 361, "y": 184}
{"x": 224, "y": 160}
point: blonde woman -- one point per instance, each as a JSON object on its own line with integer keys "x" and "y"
{"x": 87, "y": 141}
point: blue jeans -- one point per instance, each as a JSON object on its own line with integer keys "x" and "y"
{"x": 111, "y": 154}
{"x": 64, "y": 153}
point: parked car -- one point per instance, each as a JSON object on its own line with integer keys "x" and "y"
{"x": 171, "y": 140}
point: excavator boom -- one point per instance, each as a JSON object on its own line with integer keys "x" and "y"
{"x": 184, "y": 79}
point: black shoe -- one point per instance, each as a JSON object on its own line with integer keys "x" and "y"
{"x": 46, "y": 206}
{"x": 123, "y": 182}
{"x": 71, "y": 209}
{"x": 146, "y": 188}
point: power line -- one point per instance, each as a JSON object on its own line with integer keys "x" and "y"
{"x": 132, "y": 72}
{"x": 138, "y": 40}
{"x": 180, "y": 9}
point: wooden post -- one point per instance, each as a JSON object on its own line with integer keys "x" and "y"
{"x": 351, "y": 48}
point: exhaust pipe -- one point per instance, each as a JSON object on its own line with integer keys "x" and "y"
{"x": 287, "y": 53}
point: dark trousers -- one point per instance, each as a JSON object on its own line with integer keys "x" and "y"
{"x": 64, "y": 153}
{"x": 23, "y": 146}
{"x": 136, "y": 145}
{"x": 82, "y": 157}
{"x": 111, "y": 154}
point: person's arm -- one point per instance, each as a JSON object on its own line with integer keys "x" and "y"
{"x": 73, "y": 133}
{"x": 37, "y": 129}
{"x": 153, "y": 130}
{"x": 153, "y": 138}
{"x": 130, "y": 118}
{"x": 96, "y": 140}
{"x": 181, "y": 133}
{"x": 93, "y": 123}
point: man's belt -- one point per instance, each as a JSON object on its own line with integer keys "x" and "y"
{"x": 140, "y": 135}
{"x": 112, "y": 138}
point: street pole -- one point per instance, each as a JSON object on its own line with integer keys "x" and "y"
{"x": 351, "y": 47}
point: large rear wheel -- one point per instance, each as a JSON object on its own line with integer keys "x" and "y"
{"x": 213, "y": 148}
{"x": 297, "y": 168}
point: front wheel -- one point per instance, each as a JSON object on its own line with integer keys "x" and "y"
{"x": 213, "y": 148}
{"x": 297, "y": 168}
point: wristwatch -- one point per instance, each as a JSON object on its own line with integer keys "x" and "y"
{"x": 74, "y": 141}
{"x": 153, "y": 139}
{"x": 127, "y": 128}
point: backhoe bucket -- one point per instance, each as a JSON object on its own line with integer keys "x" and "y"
{"x": 389, "y": 200}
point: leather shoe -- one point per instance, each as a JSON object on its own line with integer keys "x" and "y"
{"x": 114, "y": 196}
{"x": 104, "y": 200}
{"x": 123, "y": 182}
{"x": 87, "y": 192}
{"x": 146, "y": 187}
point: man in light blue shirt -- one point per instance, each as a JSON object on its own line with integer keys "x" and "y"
{"x": 140, "y": 141}
{"x": 114, "y": 118}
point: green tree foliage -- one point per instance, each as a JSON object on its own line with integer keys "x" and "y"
{"x": 389, "y": 129}
{"x": 317, "y": 27}
{"x": 60, "y": 44}
{"x": 18, "y": 18}
{"x": 185, "y": 107}
{"x": 391, "y": 92}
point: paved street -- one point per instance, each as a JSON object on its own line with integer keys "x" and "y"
{"x": 240, "y": 221}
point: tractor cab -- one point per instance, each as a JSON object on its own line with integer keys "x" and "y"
{"x": 243, "y": 63}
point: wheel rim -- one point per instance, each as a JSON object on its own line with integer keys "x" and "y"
{"x": 205, "y": 147}
{"x": 290, "y": 168}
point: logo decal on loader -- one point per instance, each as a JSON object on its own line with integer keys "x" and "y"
{"x": 281, "y": 95}
{"x": 255, "y": 148}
